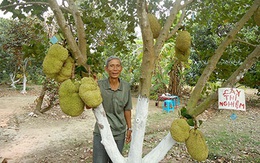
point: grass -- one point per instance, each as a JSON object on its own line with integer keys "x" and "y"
{"x": 232, "y": 144}
{"x": 233, "y": 140}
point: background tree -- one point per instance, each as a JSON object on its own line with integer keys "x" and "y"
{"x": 26, "y": 47}
{"x": 209, "y": 35}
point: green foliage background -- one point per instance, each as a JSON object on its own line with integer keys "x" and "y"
{"x": 110, "y": 30}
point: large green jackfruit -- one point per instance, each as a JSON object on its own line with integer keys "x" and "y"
{"x": 182, "y": 56}
{"x": 70, "y": 101}
{"x": 51, "y": 65}
{"x": 180, "y": 130}
{"x": 54, "y": 59}
{"x": 66, "y": 70}
{"x": 183, "y": 41}
{"x": 57, "y": 63}
{"x": 257, "y": 16}
{"x": 90, "y": 92}
{"x": 59, "y": 52}
{"x": 196, "y": 145}
{"x": 155, "y": 25}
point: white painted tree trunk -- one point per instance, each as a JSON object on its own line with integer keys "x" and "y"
{"x": 24, "y": 84}
{"x": 107, "y": 137}
{"x": 135, "y": 153}
{"x": 24, "y": 76}
{"x": 136, "y": 147}
{"x": 12, "y": 77}
{"x": 159, "y": 152}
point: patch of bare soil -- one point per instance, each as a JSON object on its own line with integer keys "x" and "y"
{"x": 49, "y": 137}
{"x": 55, "y": 137}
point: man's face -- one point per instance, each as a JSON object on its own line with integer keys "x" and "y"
{"x": 114, "y": 68}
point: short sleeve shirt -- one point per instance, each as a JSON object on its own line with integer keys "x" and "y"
{"x": 115, "y": 102}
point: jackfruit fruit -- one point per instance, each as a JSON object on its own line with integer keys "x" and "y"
{"x": 54, "y": 60}
{"x": 155, "y": 25}
{"x": 70, "y": 101}
{"x": 257, "y": 16}
{"x": 90, "y": 92}
{"x": 182, "y": 56}
{"x": 51, "y": 76}
{"x": 88, "y": 84}
{"x": 183, "y": 41}
{"x": 66, "y": 70}
{"x": 196, "y": 145}
{"x": 180, "y": 130}
{"x": 59, "y": 52}
{"x": 51, "y": 65}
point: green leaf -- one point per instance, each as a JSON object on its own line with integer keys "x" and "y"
{"x": 89, "y": 61}
{"x": 200, "y": 122}
{"x": 185, "y": 114}
{"x": 190, "y": 122}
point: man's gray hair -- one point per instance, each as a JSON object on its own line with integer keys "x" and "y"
{"x": 111, "y": 58}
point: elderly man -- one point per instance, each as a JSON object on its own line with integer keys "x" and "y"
{"x": 117, "y": 104}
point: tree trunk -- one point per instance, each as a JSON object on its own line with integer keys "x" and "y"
{"x": 135, "y": 153}
{"x": 39, "y": 100}
{"x": 174, "y": 83}
{"x": 52, "y": 97}
{"x": 12, "y": 77}
{"x": 24, "y": 76}
{"x": 24, "y": 84}
{"x": 106, "y": 134}
{"x": 148, "y": 60}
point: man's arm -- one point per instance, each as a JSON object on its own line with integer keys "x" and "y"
{"x": 129, "y": 125}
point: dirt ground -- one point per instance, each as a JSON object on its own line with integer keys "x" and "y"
{"x": 55, "y": 137}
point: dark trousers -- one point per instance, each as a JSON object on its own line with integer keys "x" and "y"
{"x": 99, "y": 153}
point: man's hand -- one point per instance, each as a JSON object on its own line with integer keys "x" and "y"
{"x": 128, "y": 136}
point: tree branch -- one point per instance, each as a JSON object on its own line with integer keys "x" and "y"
{"x": 164, "y": 35}
{"x": 244, "y": 42}
{"x": 195, "y": 95}
{"x": 82, "y": 42}
{"x": 232, "y": 80}
{"x": 177, "y": 25}
{"x": 159, "y": 152}
{"x": 166, "y": 28}
{"x": 81, "y": 60}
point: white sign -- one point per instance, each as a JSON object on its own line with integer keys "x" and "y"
{"x": 231, "y": 98}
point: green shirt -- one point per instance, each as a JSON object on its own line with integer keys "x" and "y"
{"x": 115, "y": 102}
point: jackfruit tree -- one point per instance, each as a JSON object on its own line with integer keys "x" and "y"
{"x": 152, "y": 50}
{"x": 174, "y": 18}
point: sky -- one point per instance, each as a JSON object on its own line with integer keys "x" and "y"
{"x": 8, "y": 15}
{"x": 2, "y": 15}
